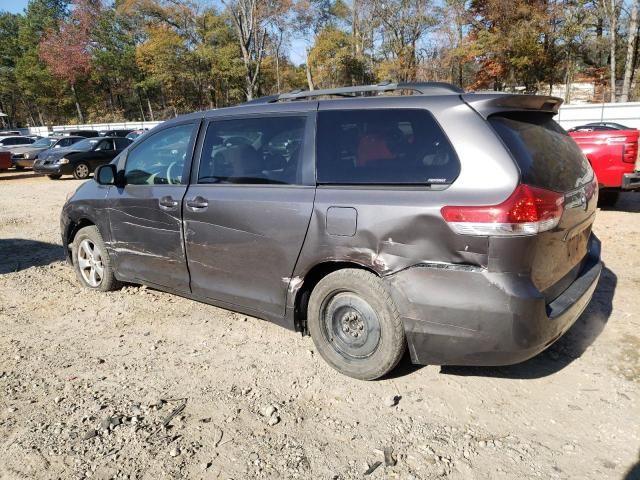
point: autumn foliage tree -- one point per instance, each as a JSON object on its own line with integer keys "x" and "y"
{"x": 113, "y": 60}
{"x": 67, "y": 50}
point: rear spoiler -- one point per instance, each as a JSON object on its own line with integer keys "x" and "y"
{"x": 487, "y": 104}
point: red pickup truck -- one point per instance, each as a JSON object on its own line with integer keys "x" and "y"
{"x": 5, "y": 161}
{"x": 613, "y": 153}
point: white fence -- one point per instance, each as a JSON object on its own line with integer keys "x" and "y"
{"x": 45, "y": 131}
{"x": 625, "y": 113}
{"x": 570, "y": 116}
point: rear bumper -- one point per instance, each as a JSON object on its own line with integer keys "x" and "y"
{"x": 468, "y": 316}
{"x": 631, "y": 181}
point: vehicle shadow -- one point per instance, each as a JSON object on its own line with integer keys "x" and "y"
{"x": 633, "y": 473}
{"x": 628, "y": 202}
{"x": 18, "y": 254}
{"x": 17, "y": 176}
{"x": 568, "y": 348}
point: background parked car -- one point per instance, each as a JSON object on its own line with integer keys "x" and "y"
{"x": 594, "y": 126}
{"x": 136, "y": 133}
{"x": 122, "y": 132}
{"x": 79, "y": 133}
{"x": 11, "y": 141}
{"x": 24, "y": 156}
{"x": 612, "y": 154}
{"x": 80, "y": 159}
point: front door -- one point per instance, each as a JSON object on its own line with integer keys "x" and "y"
{"x": 247, "y": 211}
{"x": 145, "y": 215}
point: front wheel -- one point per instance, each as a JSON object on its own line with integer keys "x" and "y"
{"x": 92, "y": 262}
{"x": 355, "y": 324}
{"x": 81, "y": 171}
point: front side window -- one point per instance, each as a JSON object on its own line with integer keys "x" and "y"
{"x": 383, "y": 147}
{"x": 105, "y": 145}
{"x": 85, "y": 145}
{"x": 264, "y": 150}
{"x": 160, "y": 158}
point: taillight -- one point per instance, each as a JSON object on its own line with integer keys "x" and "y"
{"x": 630, "y": 152}
{"x": 529, "y": 210}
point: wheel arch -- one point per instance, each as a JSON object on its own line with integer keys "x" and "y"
{"x": 301, "y": 291}
{"x": 72, "y": 229}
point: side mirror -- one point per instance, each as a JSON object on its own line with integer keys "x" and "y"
{"x": 106, "y": 174}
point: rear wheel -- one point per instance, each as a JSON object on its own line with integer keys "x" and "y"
{"x": 608, "y": 198}
{"x": 81, "y": 171}
{"x": 92, "y": 262}
{"x": 355, "y": 324}
{"x": 54, "y": 177}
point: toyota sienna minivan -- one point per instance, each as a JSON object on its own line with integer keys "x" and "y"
{"x": 373, "y": 218}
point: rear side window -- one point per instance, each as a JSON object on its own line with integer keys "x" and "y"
{"x": 261, "y": 150}
{"x": 383, "y": 147}
{"x": 122, "y": 143}
{"x": 546, "y": 155}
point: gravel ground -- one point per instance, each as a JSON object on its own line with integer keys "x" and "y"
{"x": 142, "y": 384}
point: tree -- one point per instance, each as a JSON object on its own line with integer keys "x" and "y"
{"x": 250, "y": 18}
{"x": 632, "y": 32}
{"x": 612, "y": 12}
{"x": 66, "y": 51}
{"x": 403, "y": 25}
{"x": 333, "y": 62}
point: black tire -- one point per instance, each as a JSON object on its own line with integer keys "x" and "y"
{"x": 54, "y": 177}
{"x": 92, "y": 236}
{"x": 18, "y": 167}
{"x": 81, "y": 171}
{"x": 608, "y": 198}
{"x": 349, "y": 304}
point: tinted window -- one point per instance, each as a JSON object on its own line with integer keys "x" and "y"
{"x": 546, "y": 155}
{"x": 159, "y": 158}
{"x": 253, "y": 151}
{"x": 383, "y": 147}
{"x": 105, "y": 145}
{"x": 65, "y": 142}
{"x": 122, "y": 143}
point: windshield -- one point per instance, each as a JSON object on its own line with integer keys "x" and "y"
{"x": 85, "y": 145}
{"x": 44, "y": 142}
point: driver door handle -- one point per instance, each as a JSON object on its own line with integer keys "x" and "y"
{"x": 168, "y": 203}
{"x": 197, "y": 204}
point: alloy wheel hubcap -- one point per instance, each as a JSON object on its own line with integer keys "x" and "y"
{"x": 82, "y": 170}
{"x": 90, "y": 263}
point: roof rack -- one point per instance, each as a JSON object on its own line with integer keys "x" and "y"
{"x": 421, "y": 88}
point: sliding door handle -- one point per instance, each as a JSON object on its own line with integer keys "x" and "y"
{"x": 168, "y": 203}
{"x": 197, "y": 204}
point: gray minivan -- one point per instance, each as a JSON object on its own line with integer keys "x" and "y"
{"x": 373, "y": 218}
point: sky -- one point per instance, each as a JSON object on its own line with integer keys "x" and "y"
{"x": 13, "y": 6}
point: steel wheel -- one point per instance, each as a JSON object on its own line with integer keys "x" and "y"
{"x": 90, "y": 263}
{"x": 350, "y": 325}
{"x": 81, "y": 171}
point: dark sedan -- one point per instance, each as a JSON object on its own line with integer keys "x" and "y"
{"x": 25, "y": 156}
{"x": 81, "y": 158}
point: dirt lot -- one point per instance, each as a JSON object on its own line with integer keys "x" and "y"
{"x": 87, "y": 380}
